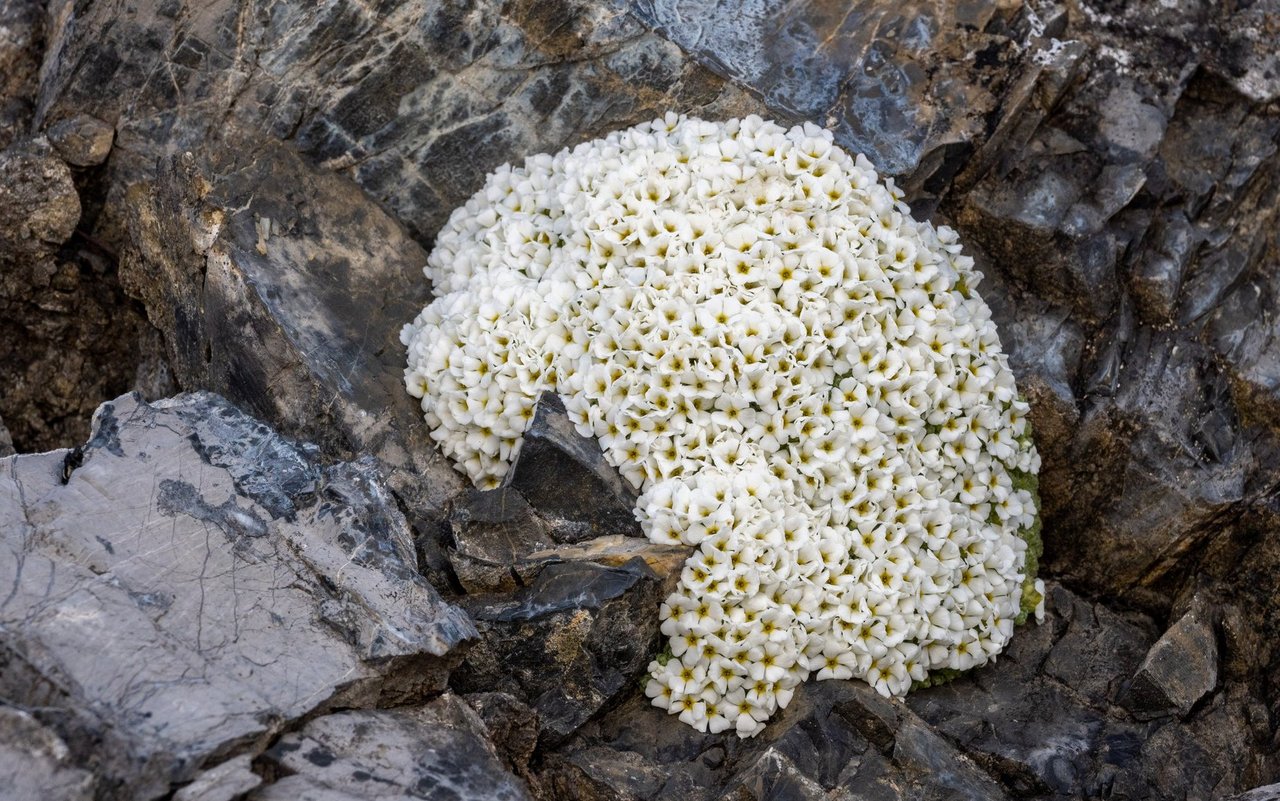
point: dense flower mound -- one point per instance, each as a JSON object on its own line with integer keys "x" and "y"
{"x": 798, "y": 376}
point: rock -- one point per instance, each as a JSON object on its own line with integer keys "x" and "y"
{"x": 36, "y": 764}
{"x": 1179, "y": 670}
{"x": 225, "y": 782}
{"x": 512, "y": 727}
{"x": 569, "y": 642}
{"x": 285, "y": 288}
{"x": 1269, "y": 793}
{"x": 871, "y": 73}
{"x": 82, "y": 140}
{"x": 22, "y": 31}
{"x": 493, "y": 531}
{"x": 69, "y": 338}
{"x": 416, "y": 118}
{"x": 6, "y": 442}
{"x": 438, "y": 750}
{"x": 39, "y": 207}
{"x": 565, "y": 478}
{"x": 188, "y": 582}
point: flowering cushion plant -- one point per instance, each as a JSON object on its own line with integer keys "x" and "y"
{"x": 800, "y": 379}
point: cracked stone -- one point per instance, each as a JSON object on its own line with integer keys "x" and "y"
{"x": 439, "y": 750}
{"x": 258, "y": 584}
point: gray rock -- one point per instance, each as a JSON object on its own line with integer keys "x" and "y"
{"x": 225, "y": 782}
{"x": 870, "y": 71}
{"x": 188, "y": 582}
{"x": 1179, "y": 670}
{"x": 285, "y": 288}
{"x": 36, "y": 764}
{"x": 565, "y": 478}
{"x": 573, "y": 639}
{"x": 82, "y": 140}
{"x": 435, "y": 751}
{"x": 1269, "y": 793}
{"x": 416, "y": 118}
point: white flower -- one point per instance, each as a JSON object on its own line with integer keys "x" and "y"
{"x": 798, "y": 377}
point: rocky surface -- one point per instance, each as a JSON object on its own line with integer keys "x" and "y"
{"x": 188, "y": 582}
{"x": 69, "y": 337}
{"x": 272, "y": 173}
{"x": 439, "y": 750}
{"x": 36, "y": 764}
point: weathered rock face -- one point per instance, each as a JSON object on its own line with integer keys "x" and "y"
{"x": 188, "y": 582}
{"x": 69, "y": 338}
{"x": 35, "y": 762}
{"x": 416, "y": 102}
{"x": 1039, "y": 723}
{"x": 1113, "y": 167}
{"x": 440, "y": 750}
{"x": 22, "y": 31}
{"x": 284, "y": 288}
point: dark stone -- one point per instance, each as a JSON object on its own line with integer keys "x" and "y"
{"x": 69, "y": 338}
{"x": 190, "y": 582}
{"x": 1269, "y": 793}
{"x": 22, "y": 31}
{"x": 416, "y": 119}
{"x": 565, "y": 478}
{"x": 568, "y": 643}
{"x": 82, "y": 140}
{"x": 493, "y": 530}
{"x": 512, "y": 727}
{"x": 39, "y": 207}
{"x": 1179, "y": 670}
{"x": 284, "y": 288}
{"x": 439, "y": 750}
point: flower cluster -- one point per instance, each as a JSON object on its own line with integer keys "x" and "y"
{"x": 798, "y": 376}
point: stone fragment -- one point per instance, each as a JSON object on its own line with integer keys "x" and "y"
{"x": 436, "y": 751}
{"x": 565, "y": 477}
{"x": 493, "y": 531}
{"x": 188, "y": 582}
{"x": 285, "y": 288}
{"x": 82, "y": 140}
{"x": 1179, "y": 670}
{"x": 512, "y": 727}
{"x": 39, "y": 207}
{"x": 225, "y": 782}
{"x": 35, "y": 764}
{"x": 567, "y": 643}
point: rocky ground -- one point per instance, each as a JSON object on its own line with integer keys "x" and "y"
{"x": 251, "y": 577}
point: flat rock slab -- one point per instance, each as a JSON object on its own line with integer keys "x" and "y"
{"x": 189, "y": 581}
{"x": 437, "y": 751}
{"x": 284, "y": 288}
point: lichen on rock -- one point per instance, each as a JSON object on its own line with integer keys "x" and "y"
{"x": 799, "y": 378}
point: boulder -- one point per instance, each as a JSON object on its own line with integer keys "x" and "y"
{"x": 188, "y": 583}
